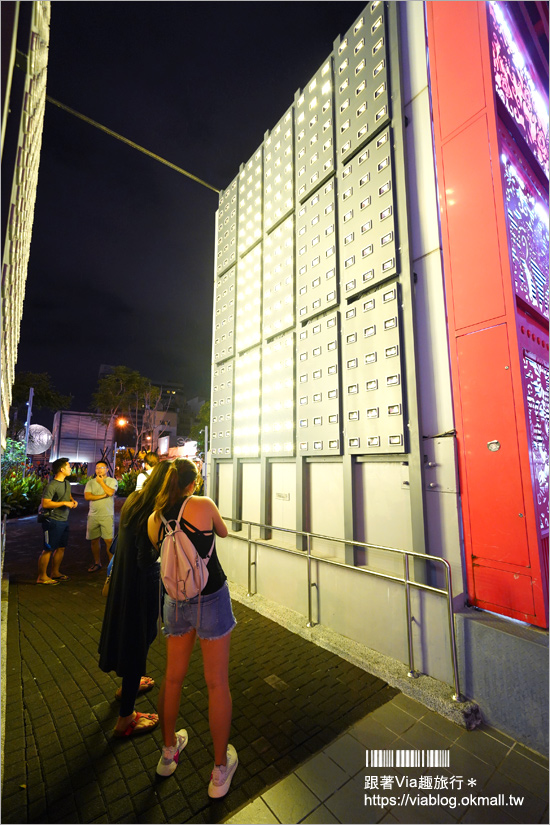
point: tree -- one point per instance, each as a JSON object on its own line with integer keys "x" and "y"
{"x": 203, "y": 421}
{"x": 125, "y": 392}
{"x": 46, "y": 397}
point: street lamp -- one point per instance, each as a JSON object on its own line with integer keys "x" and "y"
{"x": 120, "y": 422}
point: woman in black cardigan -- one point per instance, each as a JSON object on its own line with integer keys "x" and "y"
{"x": 129, "y": 623}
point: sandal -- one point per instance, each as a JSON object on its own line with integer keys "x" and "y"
{"x": 61, "y": 578}
{"x": 94, "y": 568}
{"x": 145, "y": 685}
{"x": 133, "y": 730}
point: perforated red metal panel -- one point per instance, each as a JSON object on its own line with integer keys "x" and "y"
{"x": 498, "y": 389}
{"x": 476, "y": 267}
{"x": 496, "y": 506}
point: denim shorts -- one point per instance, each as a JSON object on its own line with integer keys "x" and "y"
{"x": 216, "y": 615}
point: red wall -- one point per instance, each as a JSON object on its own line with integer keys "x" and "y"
{"x": 504, "y": 547}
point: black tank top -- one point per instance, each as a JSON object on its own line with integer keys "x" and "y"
{"x": 202, "y": 541}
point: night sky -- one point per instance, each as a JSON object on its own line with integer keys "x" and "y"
{"x": 123, "y": 248}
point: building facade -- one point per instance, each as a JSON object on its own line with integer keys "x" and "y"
{"x": 27, "y": 101}
{"x": 356, "y": 263}
{"x": 81, "y": 437}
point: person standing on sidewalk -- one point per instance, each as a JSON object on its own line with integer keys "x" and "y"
{"x": 100, "y": 492}
{"x": 130, "y": 620}
{"x": 57, "y": 501}
{"x": 182, "y": 625}
{"x": 150, "y": 461}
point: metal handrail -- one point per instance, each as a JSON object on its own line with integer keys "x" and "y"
{"x": 405, "y": 580}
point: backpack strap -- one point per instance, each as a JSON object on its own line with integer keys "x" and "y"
{"x": 207, "y": 558}
{"x": 177, "y": 519}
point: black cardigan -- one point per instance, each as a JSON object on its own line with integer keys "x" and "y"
{"x": 125, "y": 635}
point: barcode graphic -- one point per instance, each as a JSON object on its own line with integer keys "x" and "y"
{"x": 407, "y": 759}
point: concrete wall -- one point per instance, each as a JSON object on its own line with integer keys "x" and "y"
{"x": 504, "y": 666}
{"x": 364, "y": 608}
{"x": 436, "y": 407}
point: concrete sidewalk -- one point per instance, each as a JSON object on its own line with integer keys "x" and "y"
{"x": 304, "y": 720}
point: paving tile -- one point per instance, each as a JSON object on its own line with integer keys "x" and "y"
{"x": 421, "y": 736}
{"x": 348, "y": 804}
{"x": 443, "y": 726}
{"x": 533, "y": 755}
{"x": 490, "y": 816}
{"x": 322, "y": 775}
{"x": 175, "y": 805}
{"x": 464, "y": 763}
{"x": 348, "y": 754}
{"x": 526, "y": 773}
{"x": 422, "y": 814}
{"x": 290, "y": 800}
{"x": 409, "y": 705}
{"x": 393, "y": 717}
{"x": 371, "y": 734}
{"x": 320, "y": 816}
{"x": 531, "y": 808}
{"x": 120, "y": 808}
{"x": 257, "y": 812}
{"x": 497, "y": 734}
{"x": 483, "y": 746}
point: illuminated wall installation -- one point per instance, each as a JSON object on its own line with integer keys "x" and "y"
{"x": 309, "y": 308}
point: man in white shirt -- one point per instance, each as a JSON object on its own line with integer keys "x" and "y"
{"x": 148, "y": 463}
{"x": 100, "y": 492}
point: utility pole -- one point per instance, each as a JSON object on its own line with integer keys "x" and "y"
{"x": 27, "y": 425}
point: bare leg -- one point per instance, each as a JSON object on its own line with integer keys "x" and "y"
{"x": 215, "y": 654}
{"x": 96, "y": 550}
{"x": 43, "y": 561}
{"x": 108, "y": 543}
{"x": 56, "y": 561}
{"x": 178, "y": 653}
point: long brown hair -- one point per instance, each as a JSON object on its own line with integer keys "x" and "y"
{"x": 182, "y": 472}
{"x": 140, "y": 504}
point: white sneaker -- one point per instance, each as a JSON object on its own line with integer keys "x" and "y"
{"x": 168, "y": 761}
{"x": 223, "y": 774}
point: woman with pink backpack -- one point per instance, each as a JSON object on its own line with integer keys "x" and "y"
{"x": 207, "y": 615}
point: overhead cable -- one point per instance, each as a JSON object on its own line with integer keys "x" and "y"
{"x": 130, "y": 143}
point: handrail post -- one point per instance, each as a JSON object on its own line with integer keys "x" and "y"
{"x": 457, "y": 696}
{"x": 412, "y": 672}
{"x": 309, "y": 610}
{"x": 406, "y": 580}
{"x": 249, "y": 546}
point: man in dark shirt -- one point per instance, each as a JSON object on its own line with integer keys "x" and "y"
{"x": 57, "y": 500}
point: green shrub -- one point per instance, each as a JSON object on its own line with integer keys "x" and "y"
{"x": 127, "y": 484}
{"x": 79, "y": 478}
{"x": 13, "y": 459}
{"x": 21, "y": 496}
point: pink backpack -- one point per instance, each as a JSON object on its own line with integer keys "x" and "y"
{"x": 183, "y": 572}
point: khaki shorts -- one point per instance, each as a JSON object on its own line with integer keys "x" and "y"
{"x": 100, "y": 527}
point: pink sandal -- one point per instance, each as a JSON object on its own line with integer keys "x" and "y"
{"x": 133, "y": 730}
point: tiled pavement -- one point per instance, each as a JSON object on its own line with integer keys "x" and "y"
{"x": 303, "y": 720}
{"x": 330, "y": 787}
